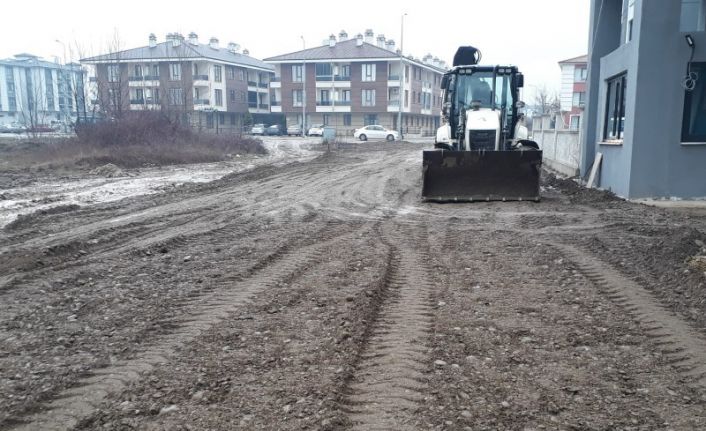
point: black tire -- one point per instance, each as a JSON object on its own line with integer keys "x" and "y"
{"x": 362, "y": 137}
{"x": 390, "y": 138}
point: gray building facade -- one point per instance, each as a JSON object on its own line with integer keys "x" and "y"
{"x": 642, "y": 113}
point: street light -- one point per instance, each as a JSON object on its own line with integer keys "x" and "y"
{"x": 401, "y": 90}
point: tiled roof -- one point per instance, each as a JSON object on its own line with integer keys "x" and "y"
{"x": 185, "y": 50}
{"x": 342, "y": 50}
{"x": 580, "y": 59}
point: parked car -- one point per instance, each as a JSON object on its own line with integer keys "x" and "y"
{"x": 294, "y": 130}
{"x": 375, "y": 132}
{"x": 257, "y": 129}
{"x": 316, "y": 130}
{"x": 273, "y": 130}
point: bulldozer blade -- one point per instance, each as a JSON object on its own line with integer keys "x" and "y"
{"x": 450, "y": 176}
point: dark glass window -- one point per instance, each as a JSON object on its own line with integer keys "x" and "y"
{"x": 615, "y": 108}
{"x": 694, "y": 124}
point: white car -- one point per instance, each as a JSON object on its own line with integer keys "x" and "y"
{"x": 316, "y": 130}
{"x": 257, "y": 129}
{"x": 375, "y": 132}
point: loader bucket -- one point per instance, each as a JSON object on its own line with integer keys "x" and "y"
{"x": 450, "y": 176}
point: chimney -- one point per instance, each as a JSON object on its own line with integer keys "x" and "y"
{"x": 246, "y": 52}
{"x": 427, "y": 59}
{"x": 390, "y": 44}
{"x": 332, "y": 41}
{"x": 170, "y": 37}
{"x": 176, "y": 40}
{"x": 342, "y": 36}
{"x": 381, "y": 41}
{"x": 193, "y": 38}
{"x": 437, "y": 62}
{"x": 369, "y": 36}
{"x": 213, "y": 43}
{"x": 153, "y": 40}
{"x": 359, "y": 40}
{"x": 233, "y": 47}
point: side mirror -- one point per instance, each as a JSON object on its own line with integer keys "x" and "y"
{"x": 520, "y": 80}
{"x": 444, "y": 82}
{"x": 520, "y": 104}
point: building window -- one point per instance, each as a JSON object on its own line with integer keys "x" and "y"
{"x": 574, "y": 122}
{"x": 231, "y": 95}
{"x": 231, "y": 72}
{"x": 155, "y": 70}
{"x": 368, "y": 72}
{"x": 323, "y": 70}
{"x": 406, "y": 98}
{"x": 297, "y": 73}
{"x": 368, "y": 97}
{"x": 252, "y": 99}
{"x": 241, "y": 74}
{"x": 615, "y": 109}
{"x": 631, "y": 19}
{"x": 694, "y": 123}
{"x": 579, "y": 99}
{"x": 327, "y": 119}
{"x": 406, "y": 74}
{"x": 138, "y": 70}
{"x": 232, "y": 117}
{"x": 176, "y": 96}
{"x": 217, "y": 74}
{"x": 346, "y": 96}
{"x": 113, "y": 73}
{"x": 692, "y": 15}
{"x": 297, "y": 98}
{"x": 324, "y": 97}
{"x": 345, "y": 70}
{"x": 175, "y": 72}
{"x": 346, "y": 119}
{"x": 155, "y": 92}
{"x": 219, "y": 97}
{"x": 580, "y": 74}
{"x": 370, "y": 119}
{"x": 221, "y": 118}
{"x": 49, "y": 84}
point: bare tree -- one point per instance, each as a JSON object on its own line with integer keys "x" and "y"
{"x": 111, "y": 79}
{"x": 34, "y": 110}
{"x": 546, "y": 101}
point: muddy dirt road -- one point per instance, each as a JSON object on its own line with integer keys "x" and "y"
{"x": 324, "y": 295}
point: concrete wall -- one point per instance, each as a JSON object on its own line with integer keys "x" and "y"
{"x": 560, "y": 147}
{"x": 651, "y": 161}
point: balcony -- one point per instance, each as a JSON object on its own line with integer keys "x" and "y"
{"x": 135, "y": 78}
{"x": 275, "y": 103}
{"x": 252, "y": 104}
{"x": 393, "y": 77}
{"x": 202, "y": 102}
{"x": 137, "y": 101}
{"x": 331, "y": 103}
{"x": 263, "y": 106}
{"x": 340, "y": 78}
{"x": 252, "y": 84}
{"x": 200, "y": 77}
{"x": 262, "y": 85}
{"x": 276, "y": 79}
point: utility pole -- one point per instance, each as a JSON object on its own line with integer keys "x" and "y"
{"x": 401, "y": 89}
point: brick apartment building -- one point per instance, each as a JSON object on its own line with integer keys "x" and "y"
{"x": 574, "y": 72}
{"x": 207, "y": 85}
{"x": 349, "y": 83}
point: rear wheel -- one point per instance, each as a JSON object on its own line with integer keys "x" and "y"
{"x": 390, "y": 138}
{"x": 363, "y": 137}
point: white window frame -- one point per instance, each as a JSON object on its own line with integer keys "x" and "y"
{"x": 175, "y": 71}
{"x": 368, "y": 97}
{"x": 217, "y": 73}
{"x": 368, "y": 72}
{"x": 218, "y": 93}
{"x": 113, "y": 73}
{"x": 297, "y": 73}
{"x": 297, "y": 98}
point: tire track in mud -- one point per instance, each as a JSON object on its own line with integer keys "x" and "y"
{"x": 683, "y": 346}
{"x": 70, "y": 406}
{"x": 389, "y": 381}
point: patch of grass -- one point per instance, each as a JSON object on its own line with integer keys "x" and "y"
{"x": 135, "y": 141}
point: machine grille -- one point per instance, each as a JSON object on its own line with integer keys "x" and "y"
{"x": 482, "y": 140}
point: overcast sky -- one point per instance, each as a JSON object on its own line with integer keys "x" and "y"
{"x": 532, "y": 34}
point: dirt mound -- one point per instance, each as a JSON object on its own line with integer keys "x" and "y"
{"x": 25, "y": 220}
{"x": 108, "y": 170}
{"x": 577, "y": 192}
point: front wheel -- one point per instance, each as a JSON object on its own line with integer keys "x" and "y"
{"x": 363, "y": 137}
{"x": 390, "y": 138}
